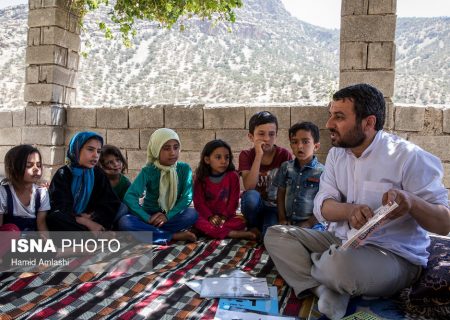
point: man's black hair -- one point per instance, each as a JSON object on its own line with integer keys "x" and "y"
{"x": 367, "y": 100}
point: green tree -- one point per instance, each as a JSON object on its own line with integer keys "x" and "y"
{"x": 166, "y": 12}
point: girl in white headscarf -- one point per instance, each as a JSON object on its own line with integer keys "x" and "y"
{"x": 167, "y": 183}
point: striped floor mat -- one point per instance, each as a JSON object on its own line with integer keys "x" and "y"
{"x": 157, "y": 291}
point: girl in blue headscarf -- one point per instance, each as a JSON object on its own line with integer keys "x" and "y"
{"x": 81, "y": 196}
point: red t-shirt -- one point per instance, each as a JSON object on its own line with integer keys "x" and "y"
{"x": 217, "y": 198}
{"x": 266, "y": 172}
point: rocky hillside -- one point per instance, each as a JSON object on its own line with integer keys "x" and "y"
{"x": 269, "y": 56}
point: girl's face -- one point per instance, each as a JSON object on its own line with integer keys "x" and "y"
{"x": 89, "y": 153}
{"x": 219, "y": 160}
{"x": 112, "y": 164}
{"x": 169, "y": 153}
{"x": 33, "y": 169}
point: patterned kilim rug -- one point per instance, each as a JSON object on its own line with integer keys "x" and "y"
{"x": 157, "y": 291}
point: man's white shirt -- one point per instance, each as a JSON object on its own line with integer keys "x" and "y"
{"x": 389, "y": 162}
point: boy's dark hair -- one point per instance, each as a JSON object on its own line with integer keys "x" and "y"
{"x": 16, "y": 162}
{"x": 110, "y": 150}
{"x": 204, "y": 170}
{"x": 367, "y": 100}
{"x": 260, "y": 118}
{"x": 306, "y": 126}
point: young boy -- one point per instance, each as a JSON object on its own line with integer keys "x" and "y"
{"x": 258, "y": 167}
{"x": 298, "y": 179}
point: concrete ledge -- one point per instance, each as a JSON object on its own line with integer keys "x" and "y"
{"x": 194, "y": 140}
{"x": 19, "y": 118}
{"x": 52, "y": 155}
{"x": 146, "y": 117}
{"x": 144, "y": 137}
{"x": 10, "y": 137}
{"x": 409, "y": 118}
{"x": 52, "y": 115}
{"x": 112, "y": 118}
{"x": 50, "y": 136}
{"x": 191, "y": 158}
{"x": 353, "y": 56}
{"x": 48, "y": 17}
{"x": 354, "y": 7}
{"x": 316, "y": 115}
{"x": 224, "y": 117}
{"x": 446, "y": 120}
{"x": 282, "y": 113}
{"x": 432, "y": 123}
{"x": 61, "y": 37}
{"x": 136, "y": 159}
{"x": 31, "y": 115}
{"x": 3, "y": 151}
{"x": 383, "y": 80}
{"x": 44, "y": 93}
{"x": 123, "y": 138}
{"x": 69, "y": 132}
{"x": 381, "y": 55}
{"x": 367, "y": 28}
{"x": 81, "y": 117}
{"x": 446, "y": 174}
{"x": 187, "y": 117}
{"x": 32, "y": 74}
{"x": 6, "y": 119}
{"x": 437, "y": 145}
{"x": 237, "y": 139}
{"x": 58, "y": 75}
{"x": 389, "y": 121}
{"x": 49, "y": 54}
{"x": 382, "y": 6}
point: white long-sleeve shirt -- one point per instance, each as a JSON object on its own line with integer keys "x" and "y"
{"x": 389, "y": 162}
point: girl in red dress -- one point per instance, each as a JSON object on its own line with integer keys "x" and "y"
{"x": 216, "y": 194}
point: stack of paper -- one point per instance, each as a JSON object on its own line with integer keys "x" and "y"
{"x": 235, "y": 287}
{"x": 241, "y": 296}
{"x": 267, "y": 306}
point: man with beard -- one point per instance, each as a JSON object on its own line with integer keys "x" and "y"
{"x": 367, "y": 168}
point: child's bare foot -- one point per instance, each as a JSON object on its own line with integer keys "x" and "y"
{"x": 256, "y": 233}
{"x": 184, "y": 236}
{"x": 242, "y": 235}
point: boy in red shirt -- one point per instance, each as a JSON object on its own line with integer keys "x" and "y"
{"x": 257, "y": 167}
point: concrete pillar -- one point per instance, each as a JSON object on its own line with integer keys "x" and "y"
{"x": 367, "y": 47}
{"x": 52, "y": 57}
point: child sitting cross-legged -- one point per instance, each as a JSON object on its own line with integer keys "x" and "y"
{"x": 216, "y": 194}
{"x": 167, "y": 183}
{"x": 298, "y": 179}
{"x": 81, "y": 197}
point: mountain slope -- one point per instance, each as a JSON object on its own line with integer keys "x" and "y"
{"x": 269, "y": 56}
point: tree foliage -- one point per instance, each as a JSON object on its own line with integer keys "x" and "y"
{"x": 166, "y": 12}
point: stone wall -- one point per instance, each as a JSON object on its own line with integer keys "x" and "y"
{"x": 130, "y": 129}
{"x": 367, "y": 47}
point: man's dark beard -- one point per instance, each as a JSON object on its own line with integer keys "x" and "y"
{"x": 354, "y": 138}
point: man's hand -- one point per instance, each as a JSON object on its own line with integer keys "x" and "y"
{"x": 215, "y": 220}
{"x": 359, "y": 215}
{"x": 402, "y": 198}
{"x": 157, "y": 219}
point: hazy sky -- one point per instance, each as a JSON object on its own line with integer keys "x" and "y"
{"x": 326, "y": 13}
{"x": 313, "y": 11}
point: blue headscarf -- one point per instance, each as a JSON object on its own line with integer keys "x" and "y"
{"x": 82, "y": 178}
